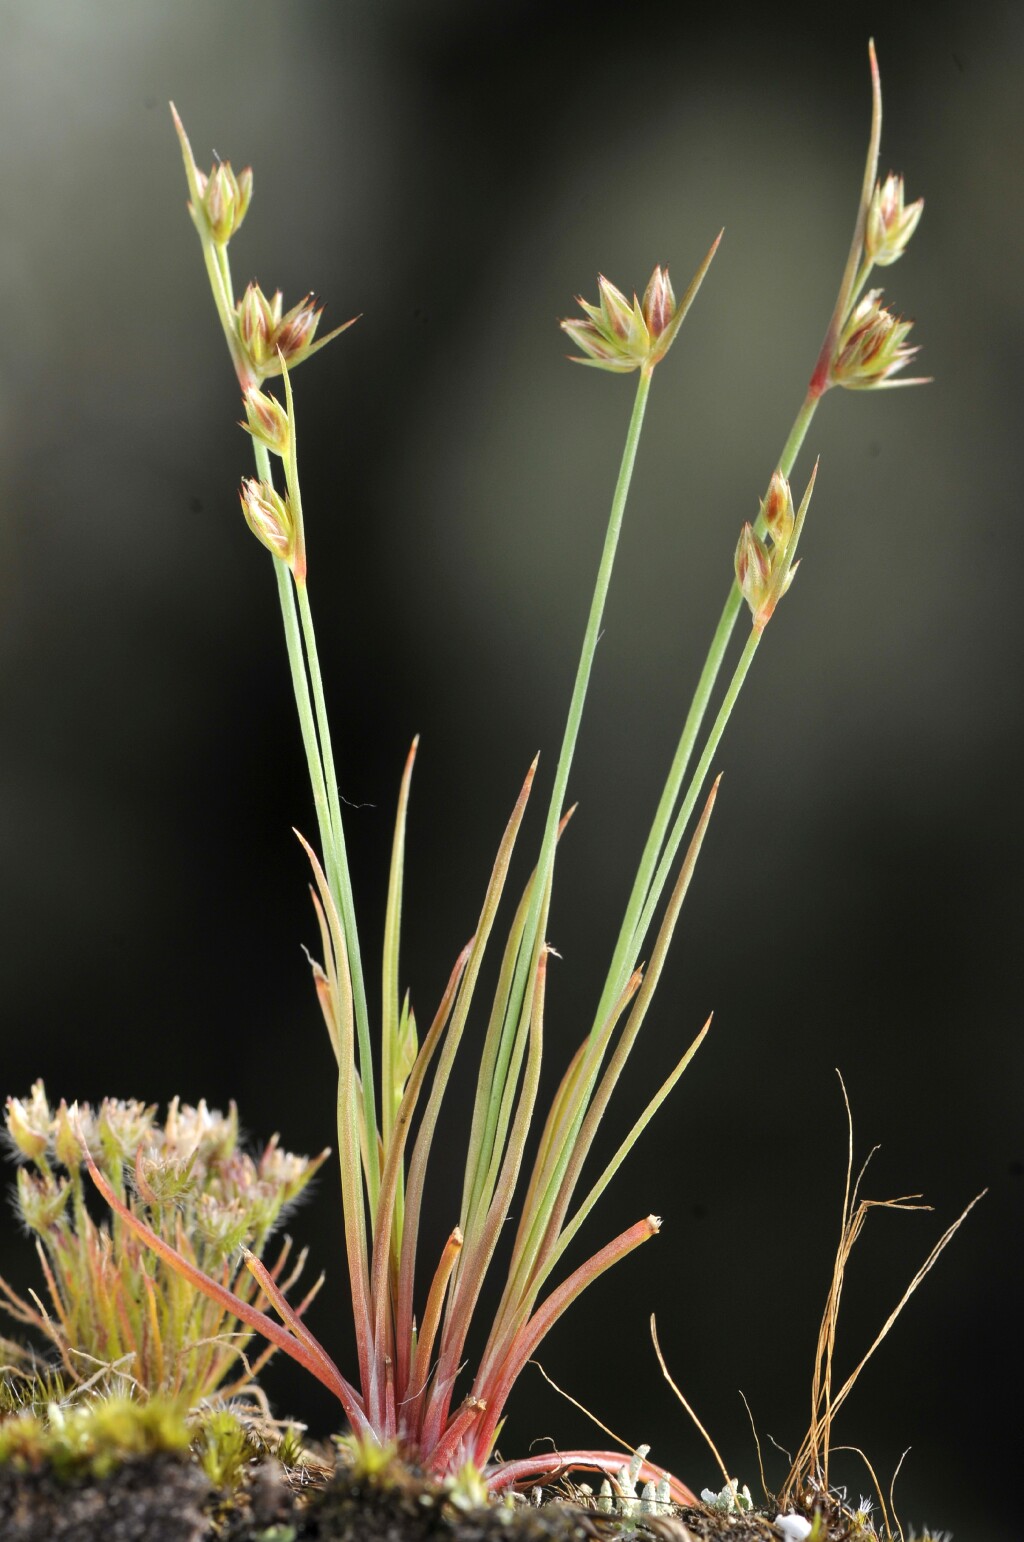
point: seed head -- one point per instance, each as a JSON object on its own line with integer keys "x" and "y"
{"x": 659, "y": 304}
{"x": 621, "y": 336}
{"x": 206, "y": 1130}
{"x": 222, "y": 1225}
{"x": 890, "y": 222}
{"x": 41, "y": 1201}
{"x": 123, "y": 1125}
{"x": 286, "y": 1173}
{"x": 71, "y": 1128}
{"x": 872, "y": 347}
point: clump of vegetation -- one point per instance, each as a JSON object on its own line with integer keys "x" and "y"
{"x": 117, "y": 1318}
{"x": 165, "y": 1299}
{"x": 410, "y": 1353}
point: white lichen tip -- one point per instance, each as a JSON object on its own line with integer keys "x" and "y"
{"x": 793, "y": 1527}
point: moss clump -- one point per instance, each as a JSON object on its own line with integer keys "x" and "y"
{"x": 93, "y": 1438}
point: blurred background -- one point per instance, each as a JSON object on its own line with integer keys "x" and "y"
{"x": 457, "y": 172}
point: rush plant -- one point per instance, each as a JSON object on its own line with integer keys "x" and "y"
{"x": 411, "y": 1341}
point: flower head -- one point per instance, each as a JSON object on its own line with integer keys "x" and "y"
{"x": 890, "y": 222}
{"x": 29, "y": 1123}
{"x": 270, "y": 518}
{"x": 764, "y": 573}
{"x": 753, "y": 565}
{"x": 616, "y": 336}
{"x": 872, "y": 347}
{"x": 267, "y": 336}
{"x": 267, "y": 421}
{"x": 622, "y": 336}
{"x": 224, "y": 199}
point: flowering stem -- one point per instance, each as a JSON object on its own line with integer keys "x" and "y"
{"x": 651, "y": 875}
{"x": 300, "y": 683}
{"x": 547, "y": 851}
{"x": 854, "y": 274}
{"x": 341, "y": 881}
{"x": 303, "y": 660}
{"x": 664, "y": 868}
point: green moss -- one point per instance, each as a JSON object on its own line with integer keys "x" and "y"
{"x": 224, "y": 1448}
{"x": 94, "y": 1437}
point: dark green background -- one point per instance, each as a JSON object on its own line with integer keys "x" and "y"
{"x": 457, "y": 172}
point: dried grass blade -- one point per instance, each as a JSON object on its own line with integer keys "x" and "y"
{"x": 929, "y": 1263}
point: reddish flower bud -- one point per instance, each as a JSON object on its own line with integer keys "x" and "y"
{"x": 659, "y": 305}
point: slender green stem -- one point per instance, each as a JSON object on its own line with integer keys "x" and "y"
{"x": 590, "y": 641}
{"x": 664, "y": 869}
{"x": 303, "y": 660}
{"x": 300, "y": 684}
{"x": 633, "y": 930}
{"x": 342, "y": 877}
{"x": 545, "y": 861}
